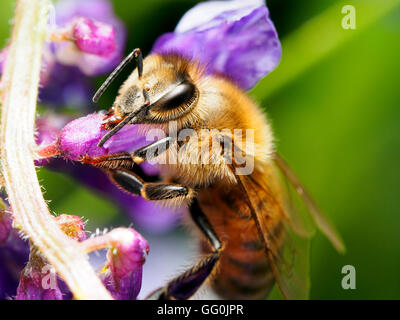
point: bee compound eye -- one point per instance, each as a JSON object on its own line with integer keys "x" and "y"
{"x": 180, "y": 95}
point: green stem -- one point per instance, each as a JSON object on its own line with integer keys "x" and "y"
{"x": 20, "y": 83}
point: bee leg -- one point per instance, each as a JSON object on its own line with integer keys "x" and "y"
{"x": 187, "y": 284}
{"x": 128, "y": 160}
{"x": 132, "y": 183}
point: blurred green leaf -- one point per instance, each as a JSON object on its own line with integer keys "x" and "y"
{"x": 6, "y": 9}
{"x": 336, "y": 121}
{"x": 318, "y": 37}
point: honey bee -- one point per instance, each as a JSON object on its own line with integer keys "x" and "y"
{"x": 251, "y": 236}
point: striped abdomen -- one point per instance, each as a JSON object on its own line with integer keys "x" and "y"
{"x": 243, "y": 271}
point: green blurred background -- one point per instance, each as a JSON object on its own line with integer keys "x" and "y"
{"x": 334, "y": 102}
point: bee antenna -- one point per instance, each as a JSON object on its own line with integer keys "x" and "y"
{"x": 134, "y": 54}
{"x": 118, "y": 127}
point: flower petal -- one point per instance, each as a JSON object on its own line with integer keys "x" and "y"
{"x": 241, "y": 43}
{"x": 100, "y": 11}
{"x": 81, "y": 136}
{"x": 47, "y": 131}
{"x": 128, "y": 252}
{"x": 203, "y": 12}
{"x": 31, "y": 285}
{"x": 5, "y": 223}
{"x": 38, "y": 280}
{"x": 66, "y": 86}
{"x": 14, "y": 253}
{"x": 94, "y": 37}
{"x": 125, "y": 259}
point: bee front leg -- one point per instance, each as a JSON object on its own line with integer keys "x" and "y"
{"x": 154, "y": 191}
{"x": 187, "y": 284}
{"x": 128, "y": 160}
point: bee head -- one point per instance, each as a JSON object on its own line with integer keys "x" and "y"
{"x": 163, "y": 92}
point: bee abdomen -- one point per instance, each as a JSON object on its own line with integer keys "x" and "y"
{"x": 244, "y": 272}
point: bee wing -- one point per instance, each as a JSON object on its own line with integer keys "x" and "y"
{"x": 320, "y": 219}
{"x": 287, "y": 253}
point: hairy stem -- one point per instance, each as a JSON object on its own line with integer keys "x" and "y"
{"x": 19, "y": 94}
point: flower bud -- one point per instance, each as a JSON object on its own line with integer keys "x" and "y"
{"x": 94, "y": 37}
{"x": 97, "y": 36}
{"x": 81, "y": 136}
{"x": 38, "y": 280}
{"x": 122, "y": 274}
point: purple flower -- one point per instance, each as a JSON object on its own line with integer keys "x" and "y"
{"x": 81, "y": 136}
{"x": 94, "y": 37}
{"x": 48, "y": 128}
{"x": 122, "y": 274}
{"x": 38, "y": 280}
{"x": 233, "y": 38}
{"x": 100, "y": 35}
{"x": 66, "y": 86}
{"x": 34, "y": 281}
{"x": 128, "y": 252}
{"x": 88, "y": 40}
{"x": 5, "y": 223}
{"x": 13, "y": 254}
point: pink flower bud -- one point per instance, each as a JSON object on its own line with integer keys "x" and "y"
{"x": 94, "y": 37}
{"x": 38, "y": 280}
{"x": 128, "y": 251}
{"x": 125, "y": 258}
